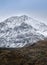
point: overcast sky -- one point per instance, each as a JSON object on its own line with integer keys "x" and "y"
{"x": 14, "y": 7}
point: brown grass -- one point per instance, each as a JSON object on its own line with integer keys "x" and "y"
{"x": 32, "y": 55}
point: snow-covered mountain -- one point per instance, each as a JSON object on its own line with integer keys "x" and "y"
{"x": 18, "y": 31}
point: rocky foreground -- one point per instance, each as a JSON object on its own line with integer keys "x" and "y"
{"x": 32, "y": 55}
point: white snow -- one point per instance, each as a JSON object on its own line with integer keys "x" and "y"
{"x": 22, "y": 36}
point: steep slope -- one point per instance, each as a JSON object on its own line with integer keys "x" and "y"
{"x": 41, "y": 27}
{"x": 18, "y": 31}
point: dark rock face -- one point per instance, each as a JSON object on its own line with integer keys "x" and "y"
{"x": 31, "y": 55}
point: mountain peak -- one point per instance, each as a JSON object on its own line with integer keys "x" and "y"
{"x": 24, "y": 17}
{"x": 17, "y": 18}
